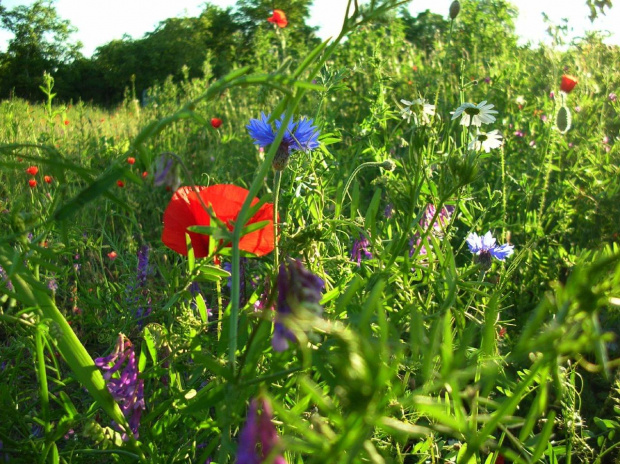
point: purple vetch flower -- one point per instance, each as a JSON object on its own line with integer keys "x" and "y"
{"x": 437, "y": 228}
{"x": 258, "y": 429}
{"x": 519, "y": 133}
{"x": 484, "y": 247}
{"x": 360, "y": 247}
{"x": 299, "y": 290}
{"x": 552, "y": 95}
{"x": 125, "y": 386}
{"x": 194, "y": 291}
{"x": 487, "y": 80}
{"x": 389, "y": 211}
{"x": 5, "y": 277}
{"x": 52, "y": 284}
{"x": 166, "y": 173}
{"x": 613, "y": 97}
{"x": 143, "y": 297}
{"x": 299, "y": 136}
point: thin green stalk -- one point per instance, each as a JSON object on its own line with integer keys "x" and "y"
{"x": 277, "y": 179}
{"x": 42, "y": 378}
{"x": 352, "y": 176}
{"x": 504, "y": 199}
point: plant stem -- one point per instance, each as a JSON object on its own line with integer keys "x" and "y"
{"x": 277, "y": 179}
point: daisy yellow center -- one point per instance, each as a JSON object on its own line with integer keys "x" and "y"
{"x": 482, "y": 137}
{"x": 472, "y": 111}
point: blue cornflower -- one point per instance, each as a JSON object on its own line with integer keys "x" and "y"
{"x": 299, "y": 136}
{"x": 485, "y": 248}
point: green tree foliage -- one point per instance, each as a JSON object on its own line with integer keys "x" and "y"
{"x": 425, "y": 29}
{"x": 40, "y": 43}
{"x": 251, "y": 16}
{"x": 476, "y": 35}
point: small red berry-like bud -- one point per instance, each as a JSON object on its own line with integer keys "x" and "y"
{"x": 48, "y": 179}
{"x": 216, "y": 122}
{"x": 131, "y": 160}
{"x": 32, "y": 183}
{"x": 120, "y": 183}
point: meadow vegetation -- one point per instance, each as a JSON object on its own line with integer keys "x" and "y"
{"x": 444, "y": 283}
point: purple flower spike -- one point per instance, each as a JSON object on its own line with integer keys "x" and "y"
{"x": 298, "y": 290}
{"x": 125, "y": 386}
{"x": 484, "y": 247}
{"x": 437, "y": 228}
{"x": 258, "y": 428}
{"x": 360, "y": 247}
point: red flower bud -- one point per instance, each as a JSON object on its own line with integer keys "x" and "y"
{"x": 32, "y": 170}
{"x": 131, "y": 160}
{"x": 32, "y": 183}
{"x": 278, "y": 18}
{"x": 120, "y": 183}
{"x": 48, "y": 179}
{"x": 568, "y": 83}
{"x": 216, "y": 122}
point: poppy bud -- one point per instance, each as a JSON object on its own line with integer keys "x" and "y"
{"x": 216, "y": 122}
{"x": 32, "y": 170}
{"x": 455, "y": 8}
{"x": 32, "y": 183}
{"x": 568, "y": 83}
{"x": 120, "y": 183}
{"x": 131, "y": 160}
{"x": 48, "y": 179}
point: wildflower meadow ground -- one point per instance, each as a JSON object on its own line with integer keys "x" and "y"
{"x": 362, "y": 250}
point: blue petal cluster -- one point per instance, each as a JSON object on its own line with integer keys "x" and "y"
{"x": 486, "y": 245}
{"x": 301, "y": 135}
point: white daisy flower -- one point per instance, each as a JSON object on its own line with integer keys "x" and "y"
{"x": 486, "y": 141}
{"x": 475, "y": 115}
{"x": 520, "y": 100}
{"x": 411, "y": 109}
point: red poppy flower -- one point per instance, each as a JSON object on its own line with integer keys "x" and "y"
{"x": 32, "y": 170}
{"x": 568, "y": 83}
{"x": 185, "y": 210}
{"x": 112, "y": 255}
{"x": 144, "y": 174}
{"x": 278, "y": 18}
{"x": 120, "y": 183}
{"x": 48, "y": 179}
{"x": 216, "y": 122}
{"x": 66, "y": 122}
{"x": 32, "y": 183}
{"x": 131, "y": 160}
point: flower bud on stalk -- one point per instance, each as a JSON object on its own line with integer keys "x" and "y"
{"x": 455, "y": 8}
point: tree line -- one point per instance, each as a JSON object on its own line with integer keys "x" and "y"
{"x": 216, "y": 41}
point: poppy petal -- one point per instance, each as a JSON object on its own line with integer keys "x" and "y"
{"x": 260, "y": 242}
{"x": 179, "y": 215}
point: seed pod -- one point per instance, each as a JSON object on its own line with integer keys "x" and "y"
{"x": 455, "y": 7}
{"x": 563, "y": 120}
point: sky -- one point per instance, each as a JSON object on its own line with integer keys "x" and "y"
{"x": 99, "y": 22}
